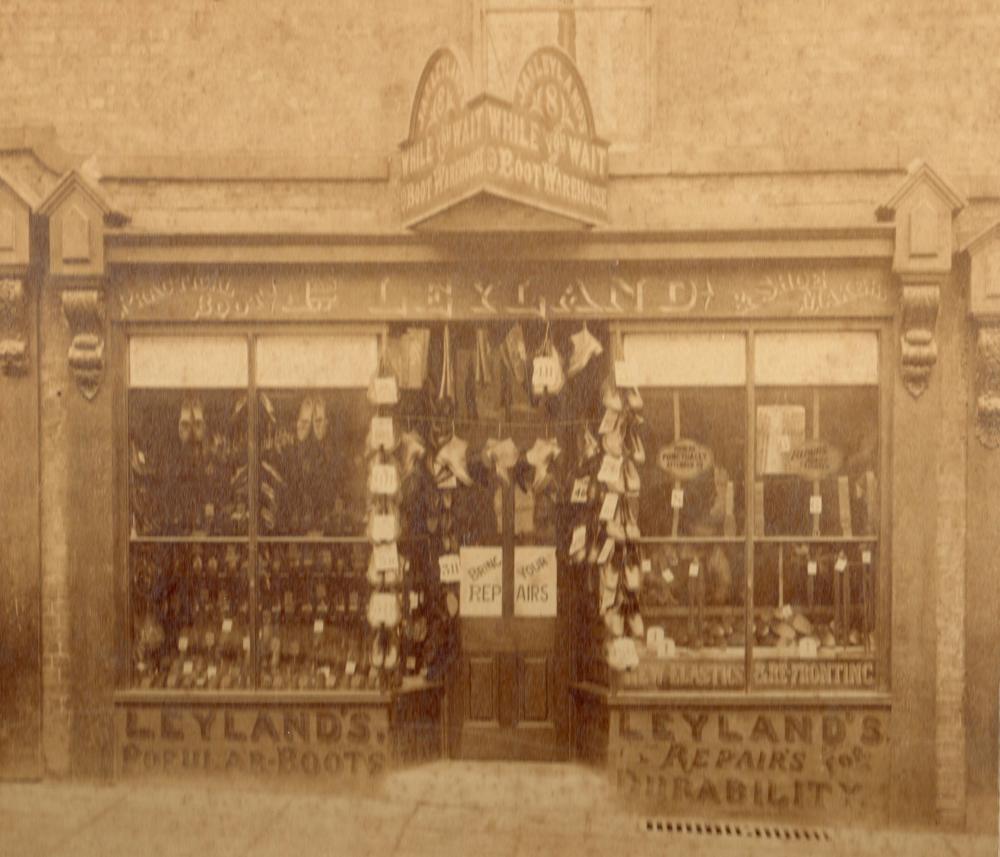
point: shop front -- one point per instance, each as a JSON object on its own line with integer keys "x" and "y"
{"x": 509, "y": 480}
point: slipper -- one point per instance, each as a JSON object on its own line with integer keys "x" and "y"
{"x": 197, "y": 422}
{"x": 634, "y": 399}
{"x": 453, "y": 456}
{"x": 319, "y": 421}
{"x": 585, "y": 347}
{"x": 613, "y": 443}
{"x": 414, "y": 449}
{"x": 615, "y": 622}
{"x": 611, "y": 398}
{"x": 636, "y": 626}
{"x": 540, "y": 457}
{"x": 631, "y": 473}
{"x": 304, "y": 424}
{"x": 589, "y": 445}
{"x": 503, "y": 455}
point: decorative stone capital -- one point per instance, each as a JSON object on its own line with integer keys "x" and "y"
{"x": 13, "y": 327}
{"x": 918, "y": 349}
{"x": 923, "y": 208}
{"x": 84, "y": 311}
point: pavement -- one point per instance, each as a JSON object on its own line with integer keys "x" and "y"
{"x": 439, "y": 809}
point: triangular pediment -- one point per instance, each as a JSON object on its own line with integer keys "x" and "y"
{"x": 486, "y": 211}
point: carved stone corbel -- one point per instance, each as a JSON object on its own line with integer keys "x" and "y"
{"x": 918, "y": 348}
{"x": 988, "y": 384}
{"x": 84, "y": 311}
{"x": 13, "y": 327}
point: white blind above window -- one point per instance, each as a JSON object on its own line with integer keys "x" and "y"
{"x": 202, "y": 362}
{"x": 341, "y": 361}
{"x": 821, "y": 358}
{"x": 687, "y": 359}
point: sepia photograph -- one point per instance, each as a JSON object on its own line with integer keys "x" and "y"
{"x": 499, "y": 427}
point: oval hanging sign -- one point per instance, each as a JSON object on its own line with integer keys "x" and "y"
{"x": 685, "y": 460}
{"x": 813, "y": 459}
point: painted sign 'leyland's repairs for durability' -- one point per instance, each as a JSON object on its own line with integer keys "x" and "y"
{"x": 829, "y": 763}
{"x": 541, "y": 149}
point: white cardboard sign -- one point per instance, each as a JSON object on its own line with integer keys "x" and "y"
{"x": 482, "y": 581}
{"x": 535, "y": 581}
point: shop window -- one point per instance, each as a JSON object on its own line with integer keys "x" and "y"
{"x": 783, "y": 557}
{"x": 191, "y": 504}
{"x": 189, "y": 512}
{"x": 816, "y": 486}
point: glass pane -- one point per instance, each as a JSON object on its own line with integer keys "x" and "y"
{"x": 187, "y": 462}
{"x": 312, "y": 627}
{"x": 312, "y": 474}
{"x": 191, "y": 616}
{"x": 815, "y": 616}
{"x": 692, "y": 602}
{"x": 691, "y": 483}
{"x": 817, "y": 461}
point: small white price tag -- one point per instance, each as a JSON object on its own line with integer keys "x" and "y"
{"x": 318, "y": 626}
{"x": 647, "y": 566}
{"x": 816, "y": 505}
{"x": 383, "y": 609}
{"x": 386, "y": 557}
{"x": 677, "y": 498}
{"x": 668, "y": 575}
{"x": 350, "y": 667}
{"x": 383, "y": 528}
{"x": 545, "y": 374}
{"x": 624, "y": 373}
{"x": 606, "y": 550}
{"x": 580, "y": 489}
{"x": 866, "y": 557}
{"x": 841, "y": 563}
{"x": 608, "y": 422}
{"x": 212, "y": 671}
{"x": 386, "y": 391}
{"x": 227, "y": 626}
{"x": 188, "y": 667}
{"x": 811, "y": 568}
{"x": 609, "y": 506}
{"x": 579, "y": 540}
{"x": 654, "y": 636}
{"x": 451, "y": 568}
{"x": 611, "y": 469}
{"x": 182, "y": 644}
{"x": 383, "y": 436}
{"x": 384, "y": 480}
{"x": 246, "y": 644}
{"x": 694, "y": 569}
{"x": 414, "y": 600}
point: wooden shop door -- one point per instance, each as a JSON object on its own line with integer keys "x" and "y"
{"x": 511, "y": 692}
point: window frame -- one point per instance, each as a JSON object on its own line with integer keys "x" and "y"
{"x": 749, "y": 328}
{"x": 249, "y": 332}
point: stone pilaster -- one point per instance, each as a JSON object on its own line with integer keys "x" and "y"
{"x": 923, "y": 209}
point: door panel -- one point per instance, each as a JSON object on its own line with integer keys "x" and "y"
{"x": 483, "y": 688}
{"x": 533, "y": 673}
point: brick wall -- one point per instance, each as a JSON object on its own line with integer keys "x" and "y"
{"x": 915, "y": 76}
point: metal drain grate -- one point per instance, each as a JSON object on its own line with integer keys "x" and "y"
{"x": 737, "y": 830}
